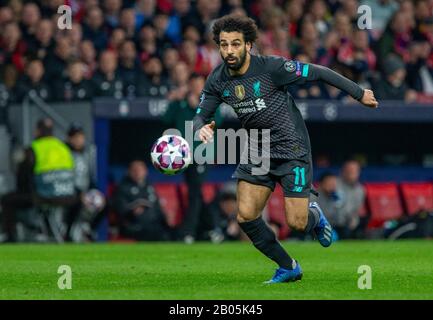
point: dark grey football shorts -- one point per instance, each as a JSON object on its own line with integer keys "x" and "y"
{"x": 295, "y": 176}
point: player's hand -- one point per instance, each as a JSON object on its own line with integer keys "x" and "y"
{"x": 206, "y": 132}
{"x": 369, "y": 100}
{"x": 137, "y": 211}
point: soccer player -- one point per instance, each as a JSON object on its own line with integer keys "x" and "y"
{"x": 256, "y": 87}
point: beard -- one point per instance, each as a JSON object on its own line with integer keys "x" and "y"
{"x": 239, "y": 61}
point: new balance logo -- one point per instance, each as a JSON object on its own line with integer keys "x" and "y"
{"x": 260, "y": 103}
{"x": 297, "y": 189}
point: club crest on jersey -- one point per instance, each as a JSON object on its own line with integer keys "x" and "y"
{"x": 240, "y": 92}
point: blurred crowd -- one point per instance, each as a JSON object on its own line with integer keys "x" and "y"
{"x": 135, "y": 48}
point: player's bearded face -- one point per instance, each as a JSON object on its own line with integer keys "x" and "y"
{"x": 233, "y": 49}
{"x": 235, "y": 62}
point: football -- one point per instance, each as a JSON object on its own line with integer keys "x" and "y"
{"x": 171, "y": 154}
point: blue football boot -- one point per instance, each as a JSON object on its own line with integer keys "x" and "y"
{"x": 285, "y": 275}
{"x": 323, "y": 230}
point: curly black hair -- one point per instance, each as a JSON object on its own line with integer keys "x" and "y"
{"x": 235, "y": 23}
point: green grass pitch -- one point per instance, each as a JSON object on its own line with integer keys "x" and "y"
{"x": 400, "y": 270}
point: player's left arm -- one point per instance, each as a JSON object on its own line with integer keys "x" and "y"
{"x": 286, "y": 72}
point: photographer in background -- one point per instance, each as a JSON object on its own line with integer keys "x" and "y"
{"x": 83, "y": 218}
{"x": 224, "y": 210}
{"x": 352, "y": 194}
{"x": 137, "y": 205}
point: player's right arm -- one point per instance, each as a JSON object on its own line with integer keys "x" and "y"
{"x": 209, "y": 102}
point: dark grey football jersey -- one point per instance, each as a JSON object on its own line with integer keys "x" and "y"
{"x": 261, "y": 100}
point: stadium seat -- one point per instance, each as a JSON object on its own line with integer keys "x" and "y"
{"x": 276, "y": 211}
{"x": 417, "y": 196}
{"x": 169, "y": 200}
{"x": 384, "y": 203}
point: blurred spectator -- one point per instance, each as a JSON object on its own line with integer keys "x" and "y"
{"x": 393, "y": 85}
{"x": 160, "y": 23}
{"x": 138, "y": 207}
{"x": 231, "y": 5}
{"x": 357, "y": 55}
{"x": 147, "y": 42}
{"x": 32, "y": 81}
{"x": 12, "y": 50}
{"x": 382, "y": 12}
{"x": 127, "y": 23}
{"x": 205, "y": 12}
{"x": 178, "y": 20}
{"x": 191, "y": 33}
{"x": 106, "y": 81}
{"x": 44, "y": 42}
{"x": 352, "y": 194}
{"x": 75, "y": 87}
{"x": 88, "y": 57}
{"x": 6, "y": 15}
{"x": 350, "y": 8}
{"x": 320, "y": 17}
{"x": 224, "y": 209}
{"x": 56, "y": 62}
{"x": 170, "y": 59}
{"x": 190, "y": 54}
{"x": 116, "y": 39}
{"x": 50, "y": 7}
{"x": 294, "y": 10}
{"x": 30, "y": 16}
{"x": 144, "y": 11}
{"x": 239, "y": 11}
{"x": 179, "y": 78}
{"x": 182, "y": 11}
{"x": 93, "y": 28}
{"x": 209, "y": 53}
{"x": 151, "y": 82}
{"x": 75, "y": 36}
{"x": 309, "y": 43}
{"x": 395, "y": 38}
{"x": 272, "y": 19}
{"x": 331, "y": 203}
{"x": 419, "y": 70}
{"x": 112, "y": 12}
{"x": 407, "y": 6}
{"x": 128, "y": 66}
{"x": 342, "y": 26}
{"x": 422, "y": 11}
